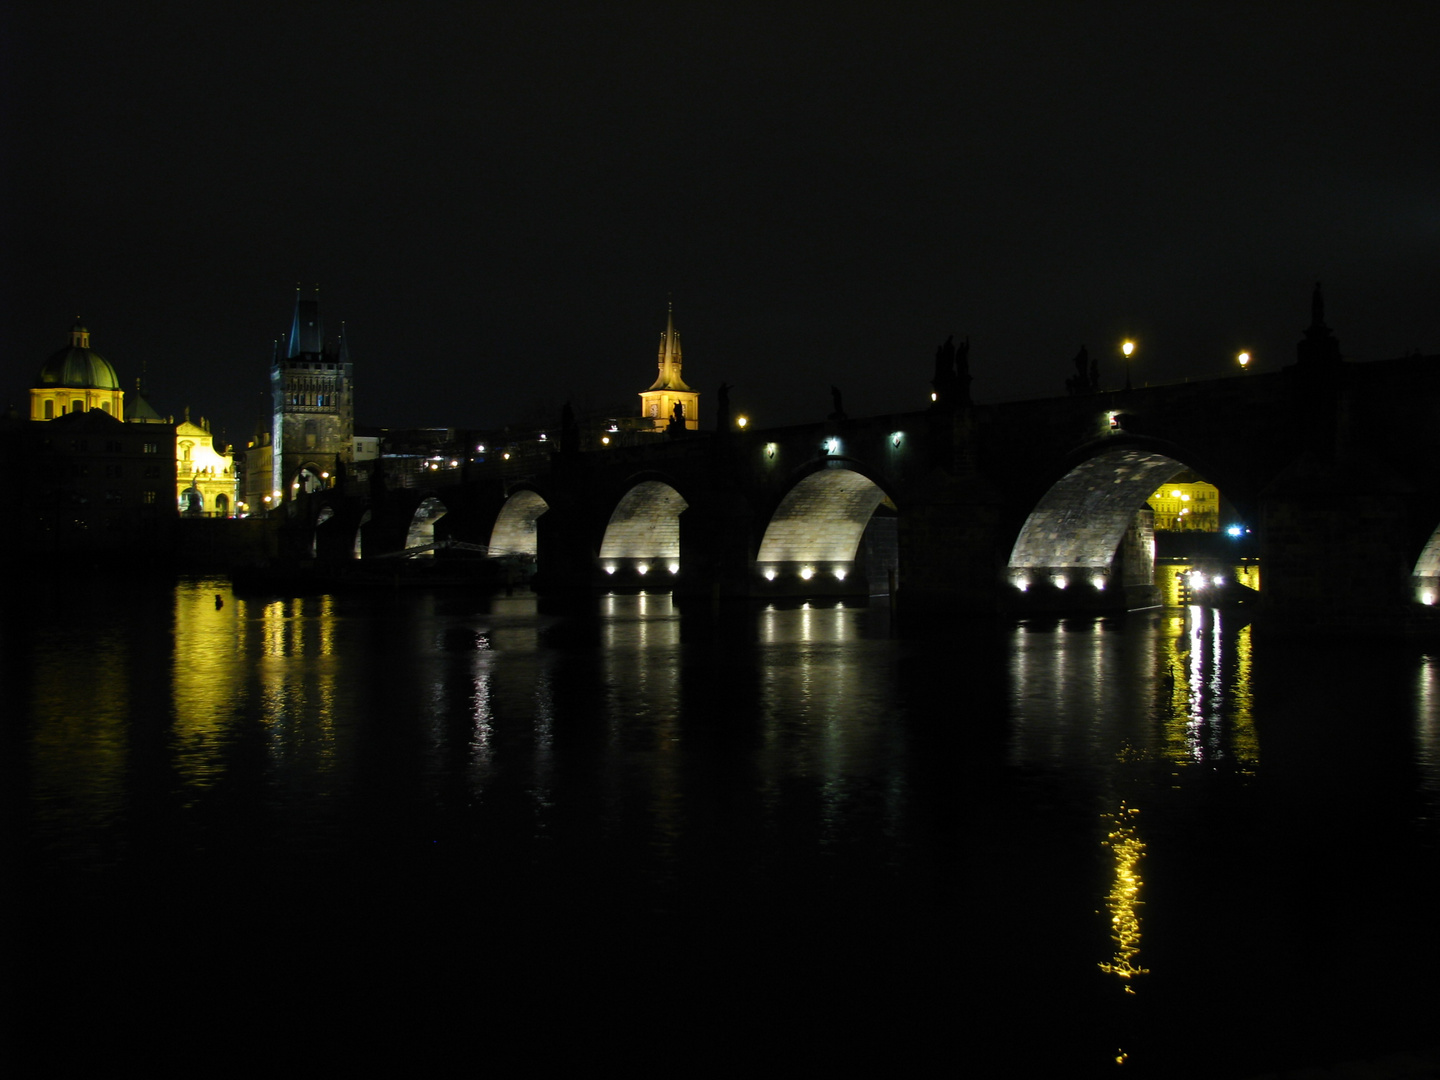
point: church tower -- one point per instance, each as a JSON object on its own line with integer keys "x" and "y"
{"x": 312, "y": 388}
{"x": 669, "y": 393}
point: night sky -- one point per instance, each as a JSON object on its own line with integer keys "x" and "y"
{"x": 498, "y": 199}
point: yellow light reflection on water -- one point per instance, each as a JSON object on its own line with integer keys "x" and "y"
{"x": 208, "y": 675}
{"x": 1123, "y": 900}
{"x": 299, "y": 712}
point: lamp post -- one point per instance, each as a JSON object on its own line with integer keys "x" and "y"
{"x": 1127, "y": 348}
{"x": 1244, "y": 360}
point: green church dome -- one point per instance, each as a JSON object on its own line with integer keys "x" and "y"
{"x": 78, "y": 366}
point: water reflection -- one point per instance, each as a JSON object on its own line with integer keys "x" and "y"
{"x": 1206, "y": 691}
{"x": 835, "y": 807}
{"x": 81, "y": 708}
{"x": 1122, "y": 902}
{"x": 294, "y": 674}
{"x": 1427, "y": 722}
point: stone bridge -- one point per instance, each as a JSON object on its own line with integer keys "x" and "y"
{"x": 1334, "y": 466}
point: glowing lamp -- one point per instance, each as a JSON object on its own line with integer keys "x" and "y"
{"x": 741, "y": 421}
{"x": 642, "y": 568}
{"x": 674, "y": 568}
{"x": 609, "y": 568}
{"x": 840, "y": 573}
{"x": 770, "y": 575}
{"x": 1060, "y": 581}
{"x": 807, "y": 573}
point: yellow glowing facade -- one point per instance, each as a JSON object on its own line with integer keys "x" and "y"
{"x": 205, "y": 479}
{"x": 76, "y": 379}
{"x": 669, "y": 392}
{"x": 1189, "y": 504}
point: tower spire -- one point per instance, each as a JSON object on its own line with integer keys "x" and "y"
{"x": 307, "y": 331}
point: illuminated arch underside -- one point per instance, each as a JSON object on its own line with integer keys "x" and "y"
{"x": 822, "y": 519}
{"x": 645, "y": 523}
{"x": 1081, "y": 520}
{"x": 422, "y": 524}
{"x": 514, "y": 531}
{"x": 1428, "y": 565}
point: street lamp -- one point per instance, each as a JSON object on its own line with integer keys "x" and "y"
{"x": 1127, "y": 348}
{"x": 1244, "y": 359}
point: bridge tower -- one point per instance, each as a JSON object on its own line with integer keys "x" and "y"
{"x": 669, "y": 392}
{"x": 312, "y": 390}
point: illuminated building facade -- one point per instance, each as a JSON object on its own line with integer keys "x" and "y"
{"x": 312, "y": 390}
{"x": 669, "y": 393}
{"x": 76, "y": 379}
{"x": 1186, "y": 503}
{"x": 205, "y": 479}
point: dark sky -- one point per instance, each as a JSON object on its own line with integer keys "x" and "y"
{"x": 498, "y": 198}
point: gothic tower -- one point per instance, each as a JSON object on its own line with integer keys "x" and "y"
{"x": 312, "y": 387}
{"x": 669, "y": 392}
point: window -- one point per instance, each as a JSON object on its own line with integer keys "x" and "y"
{"x": 151, "y": 498}
{"x": 49, "y": 410}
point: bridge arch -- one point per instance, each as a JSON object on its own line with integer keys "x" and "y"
{"x": 422, "y": 524}
{"x": 514, "y": 532}
{"x": 1427, "y": 571}
{"x": 643, "y": 533}
{"x": 1090, "y": 514}
{"x": 815, "y": 533}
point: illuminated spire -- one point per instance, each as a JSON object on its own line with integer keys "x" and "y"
{"x": 669, "y": 377}
{"x": 307, "y": 332}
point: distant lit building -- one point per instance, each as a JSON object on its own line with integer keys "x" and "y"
{"x": 205, "y": 477}
{"x": 669, "y": 392}
{"x": 1186, "y": 503}
{"x": 76, "y": 379}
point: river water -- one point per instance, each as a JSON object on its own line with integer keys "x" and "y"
{"x": 630, "y": 835}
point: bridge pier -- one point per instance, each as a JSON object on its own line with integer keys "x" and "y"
{"x": 1337, "y": 547}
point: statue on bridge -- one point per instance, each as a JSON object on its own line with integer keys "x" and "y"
{"x": 1086, "y": 379}
{"x": 569, "y": 431}
{"x": 722, "y": 408}
{"x": 839, "y": 413}
{"x": 677, "y": 420}
{"x": 951, "y": 381}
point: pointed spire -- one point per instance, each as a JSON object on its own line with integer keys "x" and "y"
{"x": 669, "y": 359}
{"x": 307, "y": 331}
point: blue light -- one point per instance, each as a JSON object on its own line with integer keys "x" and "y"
{"x": 1235, "y": 530}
